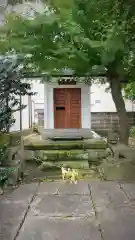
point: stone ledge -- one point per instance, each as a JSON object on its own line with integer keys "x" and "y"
{"x": 71, "y": 155}
{"x": 66, "y": 145}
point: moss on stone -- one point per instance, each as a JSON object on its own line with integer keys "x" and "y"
{"x": 47, "y": 166}
{"x": 4, "y": 139}
{"x": 46, "y": 145}
{"x": 95, "y": 144}
{"x": 13, "y": 138}
{"x": 74, "y": 164}
{"x": 68, "y": 145}
{"x": 67, "y": 155}
{"x": 63, "y": 154}
{"x": 66, "y": 164}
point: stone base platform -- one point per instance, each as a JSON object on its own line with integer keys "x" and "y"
{"x": 73, "y": 133}
{"x": 35, "y": 144}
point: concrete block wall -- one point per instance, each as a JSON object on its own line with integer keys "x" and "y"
{"x": 102, "y": 122}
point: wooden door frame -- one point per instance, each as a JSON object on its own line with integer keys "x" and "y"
{"x": 54, "y": 107}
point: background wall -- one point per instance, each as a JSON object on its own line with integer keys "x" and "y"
{"x": 105, "y": 121}
{"x": 103, "y": 111}
{"x": 101, "y": 100}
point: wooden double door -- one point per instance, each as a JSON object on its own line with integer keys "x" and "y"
{"x": 67, "y": 108}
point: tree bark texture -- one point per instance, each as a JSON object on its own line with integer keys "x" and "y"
{"x": 116, "y": 91}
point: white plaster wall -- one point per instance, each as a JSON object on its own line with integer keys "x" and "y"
{"x": 39, "y": 105}
{"x": 25, "y": 113}
{"x": 38, "y": 88}
{"x": 49, "y": 104}
{"x": 101, "y": 101}
{"x": 38, "y": 98}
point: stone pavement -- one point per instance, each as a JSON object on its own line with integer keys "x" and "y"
{"x": 93, "y": 210}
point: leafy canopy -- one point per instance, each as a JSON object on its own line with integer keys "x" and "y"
{"x": 85, "y": 35}
{"x": 90, "y": 37}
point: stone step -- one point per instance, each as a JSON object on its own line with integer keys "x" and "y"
{"x": 67, "y": 155}
{"x": 83, "y": 174}
{"x": 62, "y": 155}
{"x": 33, "y": 172}
{"x": 67, "y": 164}
{"x": 65, "y": 145}
{"x": 66, "y": 133}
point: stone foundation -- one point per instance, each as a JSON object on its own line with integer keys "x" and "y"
{"x": 78, "y": 154}
{"x": 65, "y": 145}
{"x": 16, "y": 164}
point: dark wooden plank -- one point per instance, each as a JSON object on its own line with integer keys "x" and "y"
{"x": 67, "y": 108}
{"x": 59, "y": 108}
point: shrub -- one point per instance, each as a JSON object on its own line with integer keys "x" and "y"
{"x": 35, "y": 128}
{"x": 4, "y": 175}
{"x": 4, "y": 147}
{"x": 132, "y": 131}
{"x": 3, "y": 170}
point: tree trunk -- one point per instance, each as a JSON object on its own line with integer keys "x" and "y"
{"x": 116, "y": 91}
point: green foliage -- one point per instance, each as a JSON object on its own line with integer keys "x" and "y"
{"x": 3, "y": 157}
{"x": 80, "y": 35}
{"x": 3, "y": 176}
{"x": 130, "y": 91}
{"x": 132, "y": 131}
{"x": 11, "y": 88}
{"x": 4, "y": 173}
{"x": 3, "y": 153}
{"x": 35, "y": 128}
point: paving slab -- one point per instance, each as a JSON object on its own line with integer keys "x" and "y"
{"x": 48, "y": 188}
{"x": 69, "y": 188}
{"x": 129, "y": 189}
{"x": 94, "y": 210}
{"x": 114, "y": 212}
{"x": 23, "y": 193}
{"x": 64, "y": 188}
{"x": 107, "y": 192}
{"x": 61, "y": 205}
{"x": 11, "y": 216}
{"x": 120, "y": 227}
{"x": 13, "y": 207}
{"x": 40, "y": 228}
